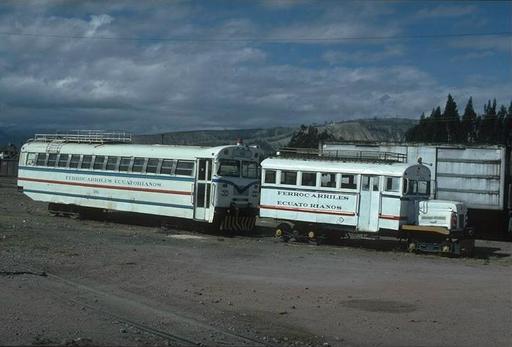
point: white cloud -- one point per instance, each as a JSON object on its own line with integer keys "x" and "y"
{"x": 96, "y": 22}
{"x": 165, "y": 85}
{"x": 473, "y": 56}
{"x": 494, "y": 43}
{"x": 345, "y": 55}
{"x": 440, "y": 11}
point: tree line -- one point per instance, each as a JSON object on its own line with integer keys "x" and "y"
{"x": 493, "y": 126}
{"x": 308, "y": 137}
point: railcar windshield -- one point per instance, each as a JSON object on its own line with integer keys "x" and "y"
{"x": 417, "y": 187}
{"x": 249, "y": 169}
{"x": 230, "y": 168}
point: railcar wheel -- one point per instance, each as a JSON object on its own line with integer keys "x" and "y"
{"x": 283, "y": 231}
{"x": 411, "y": 247}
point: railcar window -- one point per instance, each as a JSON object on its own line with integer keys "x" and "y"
{"x": 309, "y": 179}
{"x": 75, "y": 159}
{"x": 41, "y": 159}
{"x": 289, "y": 177}
{"x": 138, "y": 164}
{"x": 152, "y": 165}
{"x": 365, "y": 183}
{"x": 230, "y": 168}
{"x": 348, "y": 182}
{"x": 249, "y": 169}
{"x": 86, "y": 162}
{"x": 375, "y": 183}
{"x": 31, "y": 158}
{"x": 270, "y": 176}
{"x": 63, "y": 160}
{"x": 418, "y": 187}
{"x": 392, "y": 184}
{"x": 52, "y": 160}
{"x": 185, "y": 168}
{"x": 167, "y": 165}
{"x": 99, "y": 162}
{"x": 124, "y": 164}
{"x": 328, "y": 180}
{"x": 112, "y": 163}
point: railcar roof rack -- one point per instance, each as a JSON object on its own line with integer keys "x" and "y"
{"x": 342, "y": 155}
{"x": 86, "y": 136}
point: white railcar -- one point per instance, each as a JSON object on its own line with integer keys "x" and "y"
{"x": 308, "y": 194}
{"x": 207, "y": 184}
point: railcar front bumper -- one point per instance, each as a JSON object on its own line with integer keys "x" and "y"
{"x": 236, "y": 218}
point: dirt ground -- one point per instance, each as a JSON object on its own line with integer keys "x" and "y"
{"x": 100, "y": 282}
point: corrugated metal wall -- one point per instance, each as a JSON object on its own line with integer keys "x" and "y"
{"x": 473, "y": 175}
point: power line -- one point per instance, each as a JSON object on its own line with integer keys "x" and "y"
{"x": 261, "y": 39}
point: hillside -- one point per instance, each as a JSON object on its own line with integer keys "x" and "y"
{"x": 389, "y": 129}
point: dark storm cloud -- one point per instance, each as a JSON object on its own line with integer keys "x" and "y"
{"x": 80, "y": 68}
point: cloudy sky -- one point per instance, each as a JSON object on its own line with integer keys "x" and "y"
{"x": 150, "y": 66}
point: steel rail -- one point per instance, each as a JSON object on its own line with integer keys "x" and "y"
{"x": 154, "y": 331}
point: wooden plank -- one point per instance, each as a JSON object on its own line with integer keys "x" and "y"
{"x": 427, "y": 229}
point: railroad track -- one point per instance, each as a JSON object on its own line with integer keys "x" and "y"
{"x": 220, "y": 336}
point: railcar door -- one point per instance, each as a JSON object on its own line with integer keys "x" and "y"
{"x": 202, "y": 205}
{"x": 369, "y": 204}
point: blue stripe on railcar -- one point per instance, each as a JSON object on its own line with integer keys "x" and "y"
{"x": 106, "y": 173}
{"x": 128, "y": 201}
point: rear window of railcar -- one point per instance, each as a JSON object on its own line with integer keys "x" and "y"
{"x": 31, "y": 158}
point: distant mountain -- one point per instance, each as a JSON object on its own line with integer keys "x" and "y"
{"x": 269, "y": 139}
{"x": 370, "y": 130}
{"x": 363, "y": 130}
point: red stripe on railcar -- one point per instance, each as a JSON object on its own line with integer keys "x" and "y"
{"x": 90, "y": 185}
{"x": 268, "y": 207}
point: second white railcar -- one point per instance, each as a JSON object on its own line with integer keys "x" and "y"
{"x": 306, "y": 194}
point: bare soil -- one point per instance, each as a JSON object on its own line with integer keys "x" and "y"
{"x": 104, "y": 282}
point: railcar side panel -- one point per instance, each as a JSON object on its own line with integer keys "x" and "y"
{"x": 151, "y": 194}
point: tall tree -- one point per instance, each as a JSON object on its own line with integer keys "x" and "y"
{"x": 469, "y": 123}
{"x": 451, "y": 121}
{"x": 437, "y": 130}
{"x": 500, "y": 124}
{"x": 507, "y": 126}
{"x": 488, "y": 123}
